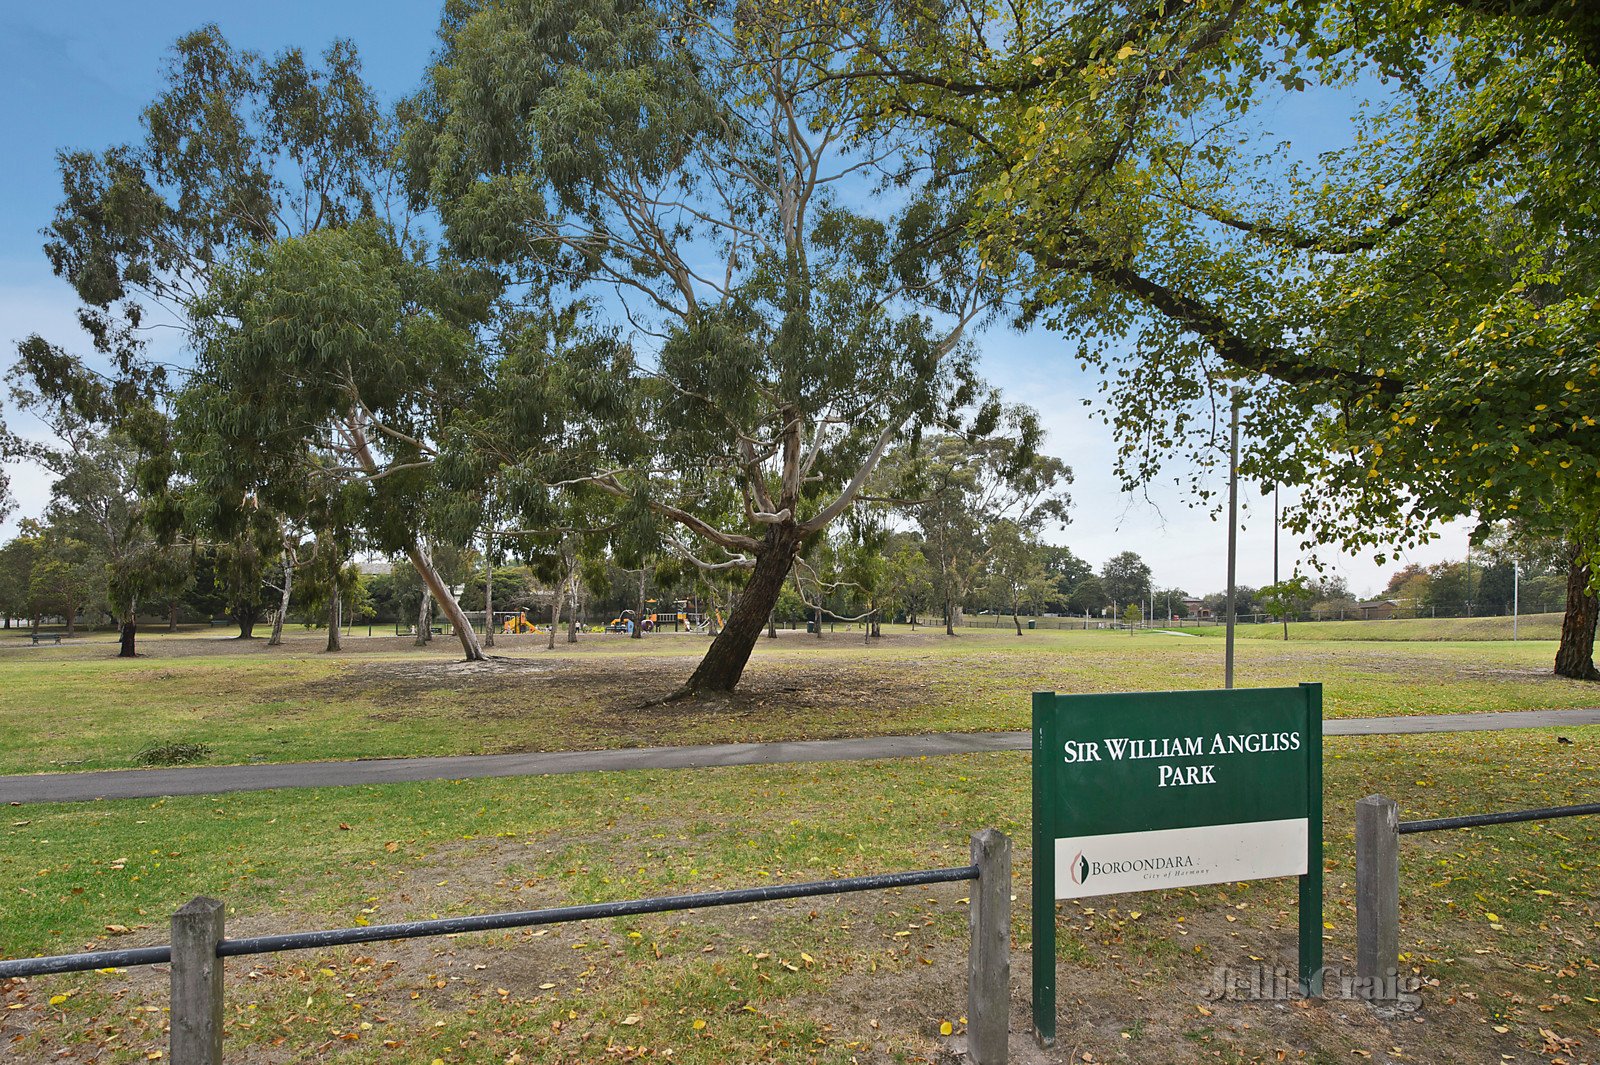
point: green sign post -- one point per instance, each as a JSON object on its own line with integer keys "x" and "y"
{"x": 1157, "y": 790}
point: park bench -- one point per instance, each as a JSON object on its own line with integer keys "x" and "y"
{"x": 54, "y": 637}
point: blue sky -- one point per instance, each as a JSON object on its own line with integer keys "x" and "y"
{"x": 75, "y": 75}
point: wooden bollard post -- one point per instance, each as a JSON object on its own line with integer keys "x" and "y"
{"x": 196, "y": 1037}
{"x": 1377, "y": 897}
{"x": 989, "y": 961}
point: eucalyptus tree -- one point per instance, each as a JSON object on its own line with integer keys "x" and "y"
{"x": 241, "y": 157}
{"x": 955, "y": 489}
{"x": 1410, "y": 321}
{"x": 345, "y": 354}
{"x": 684, "y": 166}
{"x": 1017, "y": 576}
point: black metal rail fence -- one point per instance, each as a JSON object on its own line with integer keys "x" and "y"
{"x": 199, "y": 945}
{"x": 1378, "y": 832}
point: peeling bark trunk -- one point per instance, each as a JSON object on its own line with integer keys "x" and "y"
{"x": 638, "y": 616}
{"x": 1575, "y": 655}
{"x": 424, "y": 625}
{"x": 335, "y": 619}
{"x": 572, "y": 605}
{"x": 724, "y": 662}
{"x": 434, "y": 585}
{"x": 283, "y": 602}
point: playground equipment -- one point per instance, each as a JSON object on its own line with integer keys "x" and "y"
{"x": 683, "y": 618}
{"x": 517, "y": 623}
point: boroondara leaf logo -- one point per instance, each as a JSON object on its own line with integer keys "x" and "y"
{"x": 1079, "y": 870}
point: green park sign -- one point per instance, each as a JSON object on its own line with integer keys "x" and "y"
{"x": 1157, "y": 790}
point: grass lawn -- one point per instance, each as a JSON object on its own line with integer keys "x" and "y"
{"x": 1529, "y": 627}
{"x": 1502, "y": 923}
{"x": 78, "y": 707}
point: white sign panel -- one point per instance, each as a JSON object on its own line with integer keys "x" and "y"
{"x": 1179, "y": 857}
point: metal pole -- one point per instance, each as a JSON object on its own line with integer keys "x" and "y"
{"x": 1233, "y": 537}
{"x": 1516, "y": 582}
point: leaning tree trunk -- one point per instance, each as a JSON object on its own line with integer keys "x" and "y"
{"x": 276, "y": 638}
{"x": 335, "y": 619}
{"x": 1575, "y": 655}
{"x": 435, "y": 585}
{"x": 1016, "y": 618}
{"x": 724, "y": 662}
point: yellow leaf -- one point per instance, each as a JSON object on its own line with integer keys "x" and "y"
{"x": 1491, "y": 917}
{"x": 945, "y": 1028}
{"x": 699, "y": 1023}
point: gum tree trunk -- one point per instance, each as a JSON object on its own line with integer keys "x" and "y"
{"x": 572, "y": 605}
{"x": 556, "y": 595}
{"x": 276, "y": 638}
{"x": 335, "y": 619}
{"x": 723, "y": 665}
{"x": 127, "y": 636}
{"x": 434, "y": 585}
{"x": 488, "y": 589}
{"x": 638, "y": 617}
{"x": 1575, "y": 655}
{"x": 172, "y": 616}
{"x": 424, "y": 619}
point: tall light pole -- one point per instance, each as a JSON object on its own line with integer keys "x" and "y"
{"x": 1516, "y": 580}
{"x": 1233, "y": 536}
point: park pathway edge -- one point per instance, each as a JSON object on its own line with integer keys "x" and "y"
{"x": 217, "y": 780}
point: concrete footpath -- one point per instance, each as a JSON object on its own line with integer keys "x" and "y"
{"x": 216, "y": 780}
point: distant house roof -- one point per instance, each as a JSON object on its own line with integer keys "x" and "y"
{"x": 374, "y": 566}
